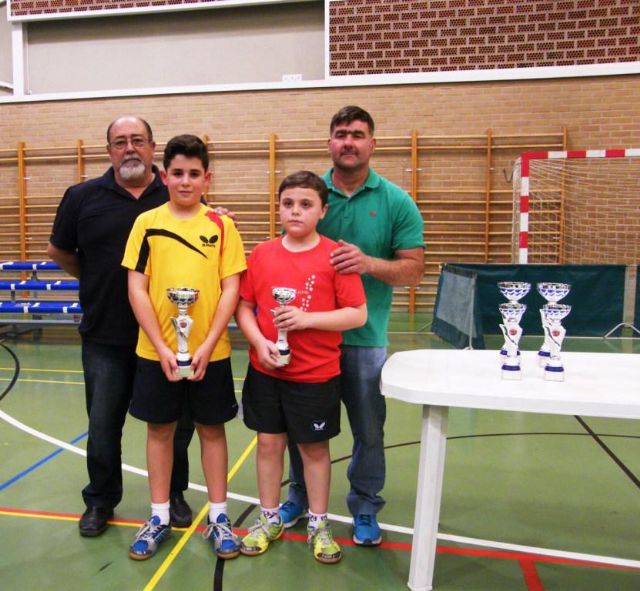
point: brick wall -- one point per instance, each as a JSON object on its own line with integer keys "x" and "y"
{"x": 401, "y": 36}
{"x": 598, "y": 112}
{"x": 404, "y": 36}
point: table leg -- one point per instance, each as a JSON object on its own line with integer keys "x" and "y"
{"x": 433, "y": 441}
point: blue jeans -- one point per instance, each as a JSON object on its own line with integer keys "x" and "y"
{"x": 366, "y": 409}
{"x": 109, "y": 371}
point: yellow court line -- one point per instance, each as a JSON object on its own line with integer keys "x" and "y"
{"x": 42, "y": 370}
{"x": 38, "y": 516}
{"x": 34, "y": 381}
{"x": 79, "y": 371}
{"x": 63, "y": 382}
{"x": 192, "y": 528}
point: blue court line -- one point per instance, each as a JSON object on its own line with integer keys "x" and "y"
{"x": 39, "y": 463}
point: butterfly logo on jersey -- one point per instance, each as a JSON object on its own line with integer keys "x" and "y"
{"x": 209, "y": 241}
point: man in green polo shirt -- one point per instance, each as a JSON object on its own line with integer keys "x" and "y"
{"x": 379, "y": 228}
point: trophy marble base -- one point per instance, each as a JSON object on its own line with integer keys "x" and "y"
{"x": 184, "y": 367}
{"x": 511, "y": 371}
{"x": 554, "y": 373}
{"x": 284, "y": 356}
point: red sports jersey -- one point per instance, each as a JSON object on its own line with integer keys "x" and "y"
{"x": 315, "y": 354}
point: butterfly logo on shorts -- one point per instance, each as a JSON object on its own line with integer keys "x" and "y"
{"x": 317, "y": 426}
{"x": 209, "y": 241}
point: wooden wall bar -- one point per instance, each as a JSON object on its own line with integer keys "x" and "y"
{"x": 461, "y": 184}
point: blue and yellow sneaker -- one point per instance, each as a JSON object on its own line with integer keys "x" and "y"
{"x": 220, "y": 535}
{"x": 148, "y": 538}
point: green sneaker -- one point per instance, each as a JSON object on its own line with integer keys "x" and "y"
{"x": 260, "y": 536}
{"x": 325, "y": 548}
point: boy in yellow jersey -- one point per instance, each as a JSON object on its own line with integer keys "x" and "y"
{"x": 184, "y": 244}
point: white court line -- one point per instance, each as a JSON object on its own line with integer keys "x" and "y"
{"x": 543, "y": 551}
{"x": 348, "y": 519}
{"x": 58, "y": 442}
{"x": 81, "y": 452}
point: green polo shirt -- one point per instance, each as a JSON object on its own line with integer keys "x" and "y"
{"x": 379, "y": 218}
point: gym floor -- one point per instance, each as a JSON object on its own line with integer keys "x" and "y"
{"x": 530, "y": 502}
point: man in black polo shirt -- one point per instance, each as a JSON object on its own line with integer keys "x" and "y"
{"x": 89, "y": 234}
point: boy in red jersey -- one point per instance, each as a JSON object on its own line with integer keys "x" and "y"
{"x": 298, "y": 401}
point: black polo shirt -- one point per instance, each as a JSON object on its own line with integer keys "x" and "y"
{"x": 94, "y": 218}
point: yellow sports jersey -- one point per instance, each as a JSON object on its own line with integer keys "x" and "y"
{"x": 197, "y": 252}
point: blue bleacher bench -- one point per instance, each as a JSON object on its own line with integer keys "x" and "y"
{"x": 29, "y": 266}
{"x": 37, "y": 285}
{"x": 25, "y": 302}
{"x": 46, "y": 307}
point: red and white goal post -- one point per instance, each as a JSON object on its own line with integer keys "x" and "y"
{"x": 576, "y": 207}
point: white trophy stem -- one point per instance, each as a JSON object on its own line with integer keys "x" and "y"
{"x": 182, "y": 297}
{"x": 554, "y": 370}
{"x": 545, "y": 350}
{"x": 511, "y": 362}
{"x": 284, "y": 296}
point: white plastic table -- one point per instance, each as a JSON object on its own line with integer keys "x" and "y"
{"x": 596, "y": 384}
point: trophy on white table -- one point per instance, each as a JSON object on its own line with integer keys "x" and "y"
{"x": 514, "y": 291}
{"x": 183, "y": 297}
{"x": 554, "y": 332}
{"x": 511, "y": 313}
{"x": 284, "y": 296}
{"x": 553, "y": 293}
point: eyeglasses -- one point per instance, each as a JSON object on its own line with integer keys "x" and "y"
{"x": 121, "y": 143}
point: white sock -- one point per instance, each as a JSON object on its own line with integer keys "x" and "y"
{"x": 162, "y": 511}
{"x": 272, "y": 515}
{"x": 316, "y": 518}
{"x": 215, "y": 510}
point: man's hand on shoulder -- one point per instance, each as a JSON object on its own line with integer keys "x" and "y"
{"x": 405, "y": 269}
{"x": 348, "y": 258}
{"x": 224, "y": 211}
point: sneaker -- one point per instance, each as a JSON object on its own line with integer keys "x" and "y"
{"x": 148, "y": 538}
{"x": 291, "y": 513}
{"x": 260, "y": 536}
{"x": 224, "y": 541}
{"x": 325, "y": 548}
{"x": 366, "y": 531}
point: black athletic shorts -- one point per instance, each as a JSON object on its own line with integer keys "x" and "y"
{"x": 211, "y": 401}
{"x": 307, "y": 413}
